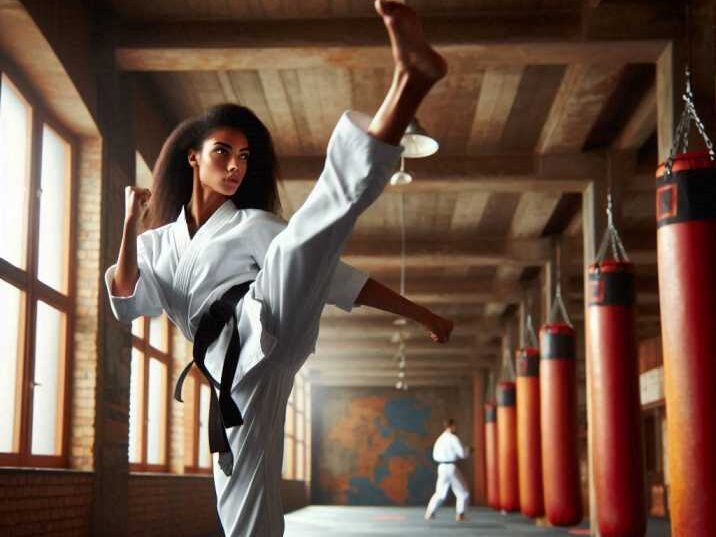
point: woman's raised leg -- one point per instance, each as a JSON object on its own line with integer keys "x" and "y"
{"x": 301, "y": 260}
{"x": 417, "y": 68}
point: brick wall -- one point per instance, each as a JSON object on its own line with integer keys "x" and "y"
{"x": 84, "y": 370}
{"x": 174, "y": 506}
{"x": 50, "y": 503}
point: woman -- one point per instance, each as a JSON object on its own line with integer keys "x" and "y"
{"x": 246, "y": 288}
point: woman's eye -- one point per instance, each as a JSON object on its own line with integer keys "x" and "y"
{"x": 221, "y": 151}
{"x": 244, "y": 156}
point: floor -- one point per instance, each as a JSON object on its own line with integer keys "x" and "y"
{"x": 318, "y": 520}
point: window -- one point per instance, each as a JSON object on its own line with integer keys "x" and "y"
{"x": 297, "y": 432}
{"x": 149, "y": 394}
{"x": 196, "y": 395}
{"x": 36, "y": 281}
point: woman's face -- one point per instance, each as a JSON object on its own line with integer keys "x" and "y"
{"x": 222, "y": 160}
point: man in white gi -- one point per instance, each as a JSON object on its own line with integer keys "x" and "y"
{"x": 448, "y": 449}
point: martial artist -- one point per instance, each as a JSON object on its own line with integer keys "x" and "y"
{"x": 247, "y": 288}
{"x": 447, "y": 451}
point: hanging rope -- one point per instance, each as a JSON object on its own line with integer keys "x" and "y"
{"x": 611, "y": 238}
{"x": 689, "y": 114}
{"x": 402, "y": 383}
{"x": 558, "y": 306}
{"x": 402, "y": 243}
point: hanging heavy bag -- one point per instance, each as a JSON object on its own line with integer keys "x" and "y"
{"x": 686, "y": 251}
{"x": 491, "y": 470}
{"x": 529, "y": 449}
{"x": 616, "y": 410}
{"x": 558, "y": 413}
{"x": 507, "y": 446}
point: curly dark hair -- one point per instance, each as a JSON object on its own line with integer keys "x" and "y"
{"x": 173, "y": 176}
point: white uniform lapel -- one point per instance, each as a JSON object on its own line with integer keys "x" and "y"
{"x": 189, "y": 248}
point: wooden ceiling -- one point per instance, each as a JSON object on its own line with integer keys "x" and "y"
{"x": 538, "y": 96}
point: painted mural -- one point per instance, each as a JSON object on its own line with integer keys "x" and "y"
{"x": 374, "y": 446}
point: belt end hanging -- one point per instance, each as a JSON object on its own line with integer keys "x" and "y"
{"x": 226, "y": 462}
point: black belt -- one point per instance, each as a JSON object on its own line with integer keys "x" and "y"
{"x": 445, "y": 462}
{"x": 223, "y": 412}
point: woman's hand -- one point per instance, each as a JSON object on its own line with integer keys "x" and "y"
{"x": 136, "y": 201}
{"x": 439, "y": 328}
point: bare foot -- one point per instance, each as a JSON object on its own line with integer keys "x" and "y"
{"x": 411, "y": 51}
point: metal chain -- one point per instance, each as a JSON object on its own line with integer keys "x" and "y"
{"x": 558, "y": 305}
{"x": 612, "y": 238}
{"x": 681, "y": 138}
{"x": 530, "y": 330}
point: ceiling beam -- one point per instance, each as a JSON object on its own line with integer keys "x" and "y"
{"x": 388, "y": 350}
{"x": 476, "y": 251}
{"x": 413, "y": 363}
{"x": 470, "y": 41}
{"x": 423, "y": 381}
{"x": 570, "y": 172}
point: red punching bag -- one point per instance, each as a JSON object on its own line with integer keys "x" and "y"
{"x": 529, "y": 449}
{"x": 507, "y": 446}
{"x": 558, "y": 413}
{"x": 686, "y": 250}
{"x": 491, "y": 470}
{"x": 618, "y": 444}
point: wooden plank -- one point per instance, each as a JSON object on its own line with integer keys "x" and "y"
{"x": 529, "y": 219}
{"x": 497, "y": 96}
{"x": 248, "y": 87}
{"x": 279, "y": 107}
{"x": 535, "y": 96}
{"x": 641, "y": 124}
{"x": 450, "y": 107}
{"x": 293, "y": 92}
{"x": 468, "y": 212}
{"x": 582, "y": 94}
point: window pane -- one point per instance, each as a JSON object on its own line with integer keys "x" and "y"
{"x": 189, "y": 406}
{"x": 157, "y": 328}
{"x": 300, "y": 423}
{"x": 299, "y": 461}
{"x": 54, "y": 233}
{"x": 204, "y": 453}
{"x": 138, "y": 327}
{"x": 156, "y": 411}
{"x": 136, "y": 383}
{"x": 47, "y": 394}
{"x": 290, "y": 420}
{"x": 288, "y": 448}
{"x": 307, "y": 441}
{"x": 12, "y": 313}
{"x": 15, "y": 133}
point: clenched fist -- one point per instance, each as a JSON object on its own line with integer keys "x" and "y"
{"x": 136, "y": 201}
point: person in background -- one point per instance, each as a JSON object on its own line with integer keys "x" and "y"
{"x": 447, "y": 451}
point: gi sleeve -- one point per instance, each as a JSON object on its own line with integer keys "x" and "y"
{"x": 459, "y": 448}
{"x": 145, "y": 299}
{"x": 347, "y": 281}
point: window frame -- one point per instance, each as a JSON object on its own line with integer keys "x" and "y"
{"x": 27, "y": 282}
{"x": 199, "y": 381}
{"x": 296, "y": 419}
{"x": 147, "y": 351}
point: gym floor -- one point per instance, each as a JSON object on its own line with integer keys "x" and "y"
{"x": 319, "y": 520}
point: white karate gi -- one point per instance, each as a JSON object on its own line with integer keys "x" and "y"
{"x": 296, "y": 272}
{"x": 447, "y": 448}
